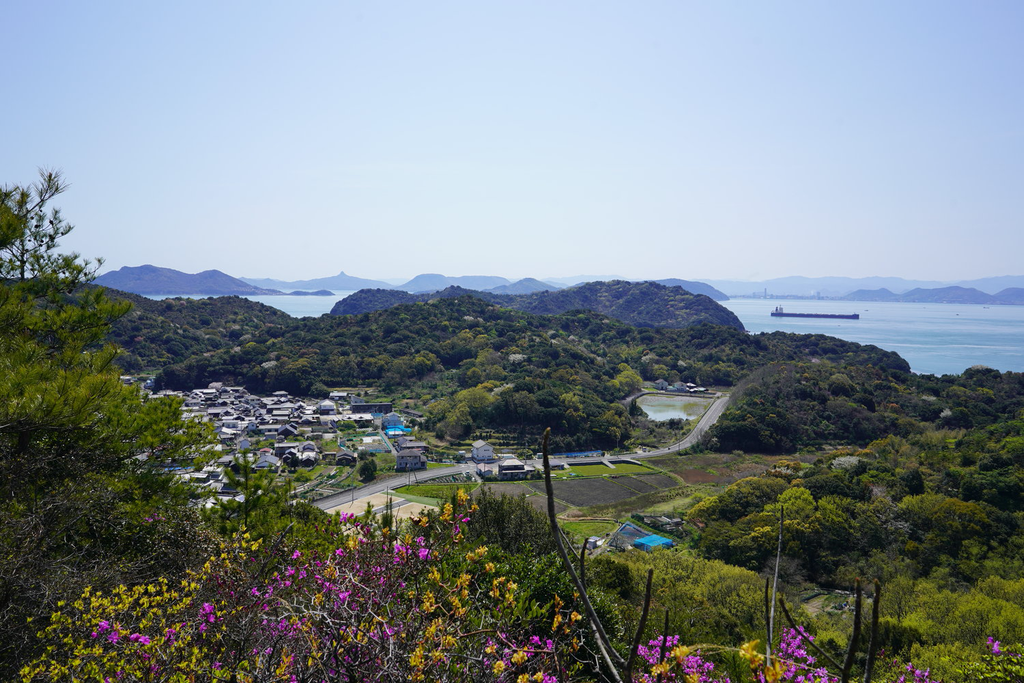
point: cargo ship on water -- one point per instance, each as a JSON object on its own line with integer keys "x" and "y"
{"x": 779, "y": 313}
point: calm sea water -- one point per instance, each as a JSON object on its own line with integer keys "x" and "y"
{"x": 934, "y": 338}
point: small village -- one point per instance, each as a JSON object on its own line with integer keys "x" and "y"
{"x": 282, "y": 433}
{"x": 294, "y": 437}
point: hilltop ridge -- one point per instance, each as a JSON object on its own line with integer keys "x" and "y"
{"x": 149, "y": 279}
{"x": 644, "y": 304}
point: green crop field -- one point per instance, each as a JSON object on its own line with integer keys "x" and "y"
{"x": 630, "y": 468}
{"x": 433, "y": 492}
{"x": 588, "y": 528}
{"x": 591, "y": 470}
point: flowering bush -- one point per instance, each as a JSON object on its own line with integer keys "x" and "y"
{"x": 371, "y": 604}
{"x": 375, "y": 607}
{"x": 1000, "y": 664}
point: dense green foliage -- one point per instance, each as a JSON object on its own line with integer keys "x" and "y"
{"x": 925, "y": 492}
{"x": 786, "y": 406}
{"x": 498, "y": 368}
{"x": 155, "y": 333}
{"x": 83, "y": 497}
{"x": 644, "y": 304}
{"x": 937, "y": 514}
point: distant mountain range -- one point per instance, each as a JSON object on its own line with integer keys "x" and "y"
{"x": 942, "y": 295}
{"x": 341, "y": 281}
{"x": 433, "y": 282}
{"x": 149, "y": 279}
{"x": 695, "y": 288}
{"x": 644, "y": 304}
{"x": 527, "y": 285}
{"x": 841, "y": 286}
{"x": 153, "y": 280}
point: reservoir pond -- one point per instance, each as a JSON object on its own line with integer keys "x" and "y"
{"x": 660, "y": 407}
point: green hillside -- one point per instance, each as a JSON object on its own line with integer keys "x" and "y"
{"x": 644, "y": 304}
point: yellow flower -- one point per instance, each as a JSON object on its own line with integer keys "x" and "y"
{"x": 498, "y": 667}
{"x": 519, "y": 657}
{"x": 748, "y": 651}
{"x": 557, "y": 621}
{"x": 773, "y": 673}
{"x": 680, "y": 652}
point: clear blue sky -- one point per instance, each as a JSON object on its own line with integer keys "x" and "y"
{"x": 653, "y": 139}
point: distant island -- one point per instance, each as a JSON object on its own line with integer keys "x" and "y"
{"x": 153, "y": 280}
{"x": 644, "y": 304}
{"x": 150, "y": 280}
{"x": 341, "y": 281}
{"x": 836, "y": 287}
{"x": 1011, "y": 296}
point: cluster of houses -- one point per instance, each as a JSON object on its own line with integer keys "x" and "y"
{"x": 679, "y": 387}
{"x": 501, "y": 466}
{"x": 298, "y": 428}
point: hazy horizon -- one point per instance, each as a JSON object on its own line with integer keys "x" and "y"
{"x": 393, "y": 280}
{"x": 691, "y": 140}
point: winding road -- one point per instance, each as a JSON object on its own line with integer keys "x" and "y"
{"x": 709, "y": 418}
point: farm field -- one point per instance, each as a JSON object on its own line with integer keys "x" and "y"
{"x": 614, "y": 495}
{"x": 435, "y": 492}
{"x": 658, "y": 481}
{"x": 510, "y": 488}
{"x": 630, "y": 468}
{"x": 602, "y": 470}
{"x": 586, "y": 528}
{"x": 582, "y": 492}
{"x": 541, "y": 503}
{"x": 721, "y": 469}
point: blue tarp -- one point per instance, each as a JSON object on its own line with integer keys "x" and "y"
{"x": 651, "y": 542}
{"x": 582, "y": 454}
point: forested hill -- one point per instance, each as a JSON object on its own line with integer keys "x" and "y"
{"x": 479, "y": 365}
{"x": 644, "y": 304}
{"x": 157, "y": 333}
{"x": 149, "y": 279}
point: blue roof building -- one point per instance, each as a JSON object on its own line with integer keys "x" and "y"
{"x": 649, "y": 543}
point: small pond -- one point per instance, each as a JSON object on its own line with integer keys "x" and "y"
{"x": 661, "y": 407}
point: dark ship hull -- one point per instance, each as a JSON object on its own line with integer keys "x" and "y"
{"x": 779, "y": 313}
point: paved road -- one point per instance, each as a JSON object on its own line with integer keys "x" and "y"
{"x": 343, "y": 497}
{"x": 707, "y": 419}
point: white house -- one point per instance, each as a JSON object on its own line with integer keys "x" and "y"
{"x": 483, "y": 452}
